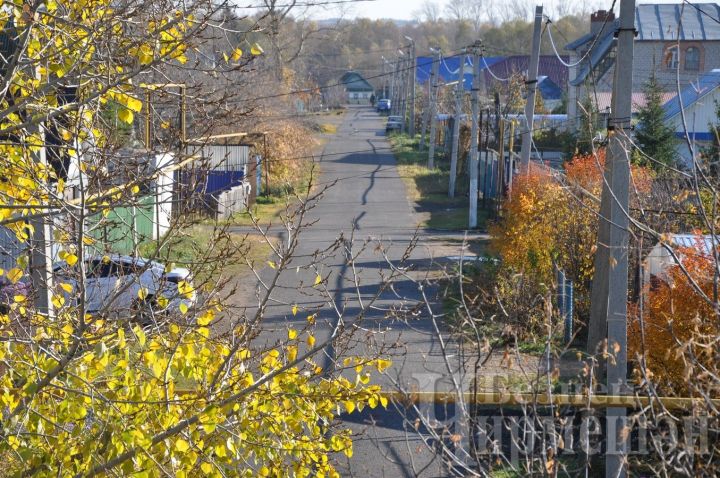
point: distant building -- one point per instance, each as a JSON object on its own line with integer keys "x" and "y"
{"x": 699, "y": 103}
{"x": 357, "y": 88}
{"x": 659, "y": 26}
{"x": 552, "y": 74}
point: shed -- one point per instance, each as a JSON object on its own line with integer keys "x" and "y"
{"x": 700, "y": 102}
{"x": 659, "y": 260}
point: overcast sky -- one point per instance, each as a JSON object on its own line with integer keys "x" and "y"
{"x": 404, "y": 9}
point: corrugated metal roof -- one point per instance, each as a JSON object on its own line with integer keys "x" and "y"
{"x": 599, "y": 52}
{"x": 354, "y": 81}
{"x": 664, "y": 21}
{"x": 705, "y": 85}
{"x": 698, "y": 242}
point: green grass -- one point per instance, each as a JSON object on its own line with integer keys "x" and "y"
{"x": 209, "y": 251}
{"x": 428, "y": 188}
{"x": 328, "y": 128}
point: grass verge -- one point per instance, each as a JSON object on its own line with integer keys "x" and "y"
{"x": 210, "y": 252}
{"x": 328, "y": 128}
{"x": 428, "y": 188}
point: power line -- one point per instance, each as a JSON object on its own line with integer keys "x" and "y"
{"x": 703, "y": 11}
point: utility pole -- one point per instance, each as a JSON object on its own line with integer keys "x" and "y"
{"x": 531, "y": 83}
{"x": 412, "y": 74}
{"x": 476, "y": 51}
{"x": 401, "y": 87}
{"x": 511, "y": 158}
{"x": 432, "y": 86}
{"x": 608, "y": 310}
{"x": 459, "y": 91}
{"x": 41, "y": 252}
{"x": 433, "y": 110}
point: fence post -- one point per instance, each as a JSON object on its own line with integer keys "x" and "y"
{"x": 568, "y": 311}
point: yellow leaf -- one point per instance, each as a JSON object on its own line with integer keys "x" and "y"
{"x": 19, "y": 298}
{"x": 142, "y": 293}
{"x": 271, "y": 264}
{"x": 311, "y": 340}
{"x": 206, "y": 468}
{"x": 135, "y": 189}
{"x": 318, "y": 279}
{"x": 256, "y": 49}
{"x": 66, "y": 287}
{"x": 294, "y": 309}
{"x": 237, "y": 53}
{"x": 126, "y": 116}
{"x": 226, "y": 57}
{"x": 183, "y": 308}
{"x": 121, "y": 338}
{"x": 71, "y": 259}
{"x": 134, "y": 104}
{"x": 349, "y": 406}
{"x": 292, "y": 334}
{"x": 383, "y": 401}
{"x": 311, "y": 319}
{"x": 58, "y": 301}
{"x": 181, "y": 445}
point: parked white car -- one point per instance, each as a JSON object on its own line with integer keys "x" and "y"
{"x": 126, "y": 286}
{"x": 394, "y": 123}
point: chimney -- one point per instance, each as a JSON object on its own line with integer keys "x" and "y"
{"x": 599, "y": 18}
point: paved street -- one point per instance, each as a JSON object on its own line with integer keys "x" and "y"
{"x": 367, "y": 196}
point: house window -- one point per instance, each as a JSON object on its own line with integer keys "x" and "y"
{"x": 671, "y": 57}
{"x": 692, "y": 58}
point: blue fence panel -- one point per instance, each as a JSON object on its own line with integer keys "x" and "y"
{"x": 219, "y": 181}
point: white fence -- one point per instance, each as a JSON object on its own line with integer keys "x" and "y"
{"x": 234, "y": 200}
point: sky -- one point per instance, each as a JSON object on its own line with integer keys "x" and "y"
{"x": 405, "y": 9}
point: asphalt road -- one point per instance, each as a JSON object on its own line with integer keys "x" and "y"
{"x": 366, "y": 205}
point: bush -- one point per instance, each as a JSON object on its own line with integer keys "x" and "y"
{"x": 678, "y": 328}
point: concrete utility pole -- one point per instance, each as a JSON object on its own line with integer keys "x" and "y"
{"x": 608, "y": 310}
{"x": 41, "y": 255}
{"x": 402, "y": 93}
{"x": 459, "y": 91}
{"x": 531, "y": 83}
{"x": 434, "y": 69}
{"x": 394, "y": 86}
{"x": 412, "y": 74}
{"x": 476, "y": 51}
{"x": 433, "y": 110}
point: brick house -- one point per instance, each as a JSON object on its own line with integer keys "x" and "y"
{"x": 671, "y": 39}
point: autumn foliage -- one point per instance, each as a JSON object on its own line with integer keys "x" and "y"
{"x": 677, "y": 330}
{"x": 551, "y": 220}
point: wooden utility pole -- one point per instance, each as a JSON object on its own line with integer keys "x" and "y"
{"x": 433, "y": 111}
{"x": 531, "y": 83}
{"x": 432, "y": 89}
{"x": 608, "y": 311}
{"x": 476, "y": 51}
{"x": 459, "y": 91}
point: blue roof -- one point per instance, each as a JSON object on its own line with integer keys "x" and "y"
{"x": 449, "y": 68}
{"x": 549, "y": 90}
{"x": 667, "y": 21}
{"x": 600, "y": 51}
{"x": 705, "y": 85}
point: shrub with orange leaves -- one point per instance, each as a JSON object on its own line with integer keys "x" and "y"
{"x": 677, "y": 329}
{"x": 548, "y": 222}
